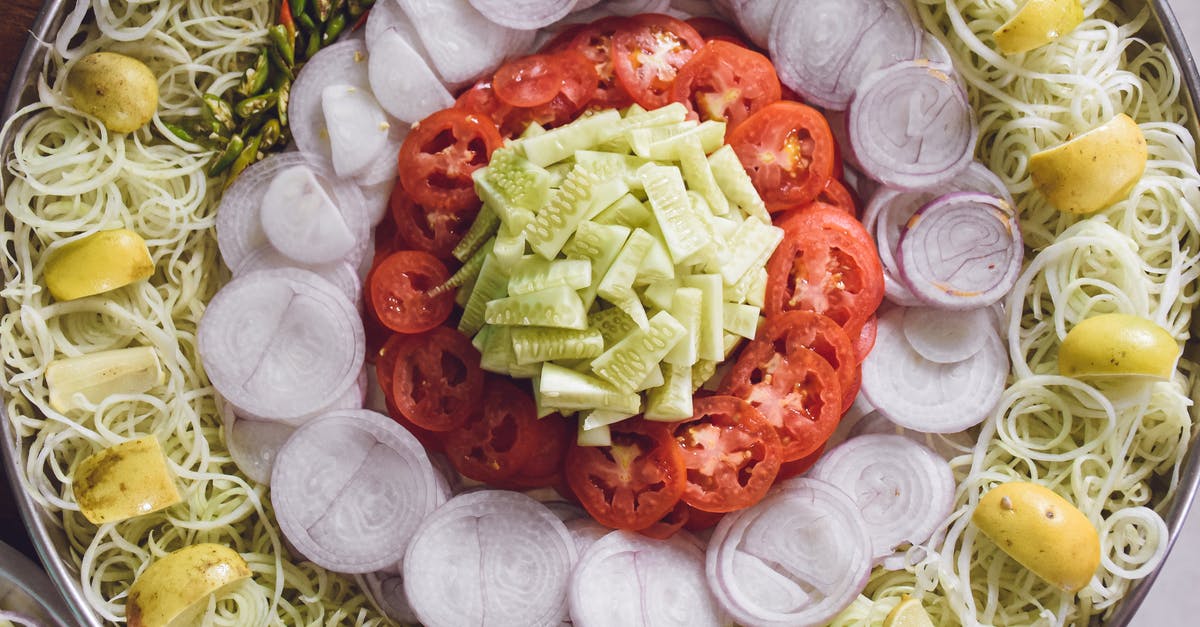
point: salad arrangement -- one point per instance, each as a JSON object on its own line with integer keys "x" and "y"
{"x": 611, "y": 213}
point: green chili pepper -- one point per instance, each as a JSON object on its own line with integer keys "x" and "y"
{"x": 270, "y": 135}
{"x": 297, "y": 7}
{"x": 179, "y": 132}
{"x": 218, "y": 113}
{"x": 230, "y": 154}
{"x": 253, "y": 106}
{"x": 334, "y": 28}
{"x": 249, "y": 155}
{"x": 282, "y": 43}
{"x": 283, "y": 96}
{"x": 256, "y": 77}
{"x": 306, "y": 23}
{"x": 323, "y": 8}
{"x": 285, "y": 68}
{"x": 314, "y": 44}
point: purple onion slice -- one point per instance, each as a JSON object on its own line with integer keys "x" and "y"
{"x": 350, "y": 489}
{"x": 490, "y": 557}
{"x": 911, "y": 125}
{"x": 625, "y": 578}
{"x": 904, "y": 489}
{"x": 961, "y": 251}
{"x": 823, "y": 49}
{"x": 343, "y": 63}
{"x": 948, "y": 339}
{"x": 798, "y": 557}
{"x": 524, "y": 14}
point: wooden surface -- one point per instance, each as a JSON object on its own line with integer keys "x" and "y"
{"x": 16, "y": 17}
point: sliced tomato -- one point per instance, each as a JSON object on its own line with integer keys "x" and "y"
{"x": 648, "y": 51}
{"x": 563, "y": 38}
{"x": 699, "y": 520}
{"x": 837, "y": 195}
{"x": 632, "y": 483}
{"x": 866, "y": 339}
{"x": 797, "y": 393}
{"x": 726, "y": 82}
{"x": 440, "y": 153}
{"x": 385, "y": 370}
{"x": 401, "y": 289}
{"x": 496, "y": 442}
{"x": 710, "y": 27}
{"x": 788, "y": 151}
{"x": 731, "y": 454}
{"x": 437, "y": 383}
{"x": 419, "y": 228}
{"x": 552, "y": 436}
{"x": 595, "y": 42}
{"x": 528, "y": 81}
{"x": 797, "y": 467}
{"x": 792, "y": 330}
{"x": 670, "y": 524}
{"x": 826, "y": 263}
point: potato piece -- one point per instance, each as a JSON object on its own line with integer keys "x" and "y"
{"x": 1093, "y": 170}
{"x": 119, "y": 90}
{"x": 1042, "y": 531}
{"x": 123, "y": 481}
{"x": 173, "y": 589}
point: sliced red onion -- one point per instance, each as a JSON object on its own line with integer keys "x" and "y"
{"x": 797, "y": 558}
{"x": 926, "y": 396}
{"x": 961, "y": 251}
{"x": 904, "y": 489}
{"x": 339, "y": 273}
{"x": 696, "y": 8}
{"x": 281, "y": 343}
{"x": 17, "y": 618}
{"x": 586, "y": 531}
{"x": 462, "y": 43}
{"x": 239, "y": 218}
{"x": 626, "y": 579}
{"x": 350, "y": 489}
{"x": 824, "y": 48}
{"x": 754, "y": 18}
{"x": 343, "y": 63}
{"x": 387, "y": 590}
{"x": 357, "y": 127}
{"x": 911, "y": 125}
{"x": 303, "y": 222}
{"x": 524, "y": 14}
{"x": 597, "y": 10}
{"x": 253, "y": 444}
{"x": 490, "y": 557}
{"x": 948, "y": 338}
{"x": 376, "y": 196}
{"x": 933, "y": 50}
{"x": 401, "y": 79}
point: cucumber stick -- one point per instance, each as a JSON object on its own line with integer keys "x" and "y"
{"x": 616, "y": 261}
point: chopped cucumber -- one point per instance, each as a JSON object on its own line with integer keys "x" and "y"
{"x": 733, "y": 180}
{"x": 627, "y": 211}
{"x": 533, "y": 345}
{"x": 588, "y": 190}
{"x": 491, "y": 284}
{"x": 750, "y": 247}
{"x": 672, "y": 400}
{"x": 600, "y": 436}
{"x": 693, "y": 162}
{"x": 741, "y": 319}
{"x": 567, "y": 389}
{"x": 484, "y": 227}
{"x": 469, "y": 271}
{"x": 628, "y": 362}
{"x": 511, "y": 182}
{"x": 682, "y": 229}
{"x": 757, "y": 293}
{"x": 558, "y": 144}
{"x": 712, "y": 316}
{"x": 600, "y": 244}
{"x": 598, "y": 418}
{"x": 612, "y": 323}
{"x": 497, "y": 354}
{"x": 686, "y": 306}
{"x": 532, "y": 274}
{"x": 558, "y": 307}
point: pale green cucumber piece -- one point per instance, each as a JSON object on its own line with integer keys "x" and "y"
{"x": 542, "y": 409}
{"x": 511, "y": 182}
{"x": 737, "y": 292}
{"x": 741, "y": 319}
{"x": 627, "y": 363}
{"x": 634, "y": 109}
{"x": 557, "y": 307}
{"x": 641, "y": 137}
{"x": 731, "y": 342}
{"x": 672, "y": 400}
{"x": 463, "y": 294}
{"x": 656, "y": 265}
{"x": 702, "y": 373}
{"x": 635, "y": 118}
{"x": 469, "y": 271}
{"x": 617, "y": 285}
{"x": 485, "y": 226}
{"x": 532, "y": 274}
{"x": 712, "y": 314}
{"x": 600, "y": 436}
{"x": 736, "y": 184}
{"x": 698, "y": 174}
{"x": 756, "y": 294}
{"x": 534, "y": 345}
{"x": 683, "y": 231}
{"x": 660, "y": 295}
{"x": 750, "y": 247}
{"x": 627, "y": 211}
{"x": 509, "y": 247}
{"x": 600, "y": 244}
{"x": 602, "y": 418}
{"x": 481, "y": 338}
{"x": 612, "y": 323}
{"x": 624, "y": 165}
{"x": 712, "y": 257}
{"x": 533, "y": 130}
{"x": 559, "y": 171}
{"x": 686, "y": 307}
{"x": 652, "y": 380}
{"x": 491, "y": 284}
{"x": 497, "y": 355}
{"x": 710, "y": 134}
{"x": 558, "y": 144}
{"x": 567, "y": 389}
{"x": 572, "y": 203}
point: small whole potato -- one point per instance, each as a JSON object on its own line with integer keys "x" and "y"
{"x": 119, "y": 90}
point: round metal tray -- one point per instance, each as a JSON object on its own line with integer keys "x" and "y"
{"x": 51, "y": 543}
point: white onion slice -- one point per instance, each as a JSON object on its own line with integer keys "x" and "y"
{"x": 253, "y": 444}
{"x": 823, "y": 49}
{"x": 387, "y": 589}
{"x": 961, "y": 251}
{"x": 490, "y": 557}
{"x": 585, "y": 532}
{"x": 948, "y": 338}
{"x": 343, "y": 63}
{"x": 904, "y": 489}
{"x": 339, "y": 273}
{"x": 627, "y": 579}
{"x": 927, "y": 396}
{"x": 357, "y": 126}
{"x": 797, "y": 558}
{"x": 281, "y": 343}
{"x": 301, "y": 220}
{"x": 588, "y": 11}
{"x": 754, "y": 17}
{"x": 350, "y": 489}
{"x": 911, "y": 125}
{"x": 524, "y": 14}
{"x": 697, "y": 8}
{"x": 402, "y": 81}
{"x": 462, "y": 43}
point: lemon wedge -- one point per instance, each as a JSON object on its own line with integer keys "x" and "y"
{"x": 1118, "y": 344}
{"x": 909, "y": 613}
{"x": 1093, "y": 170}
{"x": 98, "y": 375}
{"x": 123, "y": 481}
{"x": 173, "y": 590}
{"x": 1042, "y": 531}
{"x": 1037, "y": 23}
{"x": 98, "y": 263}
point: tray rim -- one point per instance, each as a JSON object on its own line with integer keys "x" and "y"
{"x": 50, "y": 542}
